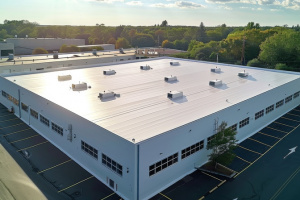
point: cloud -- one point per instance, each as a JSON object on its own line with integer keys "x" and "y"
{"x": 134, "y": 3}
{"x": 266, "y": 2}
{"x": 179, "y": 4}
{"x": 225, "y": 7}
{"x": 106, "y": 1}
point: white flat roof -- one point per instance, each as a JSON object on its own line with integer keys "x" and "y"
{"x": 143, "y": 110}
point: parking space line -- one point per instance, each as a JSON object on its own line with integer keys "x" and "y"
{"x": 16, "y": 132}
{"x": 276, "y": 129}
{"x": 6, "y": 115}
{"x": 284, "y": 124}
{"x": 24, "y": 139}
{"x": 54, "y": 166}
{"x": 11, "y": 125}
{"x": 259, "y": 142}
{"x": 269, "y": 135}
{"x": 202, "y": 198}
{"x": 290, "y": 119}
{"x": 75, "y": 184}
{"x": 33, "y": 146}
{"x": 293, "y": 114}
{"x": 165, "y": 196}
{"x": 243, "y": 159}
{"x": 108, "y": 196}
{"x": 9, "y": 120}
{"x": 283, "y": 186}
{"x": 266, "y": 151}
{"x": 297, "y": 110}
{"x": 249, "y": 150}
{"x": 212, "y": 176}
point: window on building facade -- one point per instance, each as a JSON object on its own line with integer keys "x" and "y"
{"x": 259, "y": 114}
{"x": 111, "y": 164}
{"x": 57, "y": 128}
{"x": 296, "y": 95}
{"x": 209, "y": 139}
{"x": 192, "y": 149}
{"x": 244, "y": 122}
{"x": 44, "y": 120}
{"x": 163, "y": 164}
{"x": 288, "y": 99}
{"x": 10, "y": 98}
{"x": 279, "y": 103}
{"x": 89, "y": 149}
{"x": 24, "y": 107}
{"x": 269, "y": 109}
{"x": 233, "y": 127}
{"x": 34, "y": 114}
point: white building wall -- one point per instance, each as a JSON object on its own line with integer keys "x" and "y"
{"x": 25, "y": 46}
{"x": 115, "y": 147}
{"x": 162, "y": 146}
{"x": 5, "y": 46}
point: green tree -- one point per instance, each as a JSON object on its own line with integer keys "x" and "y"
{"x": 143, "y": 40}
{"x": 39, "y": 51}
{"x": 122, "y": 43}
{"x": 222, "y": 145}
{"x": 68, "y": 48}
{"x": 167, "y": 44}
{"x": 202, "y": 36}
{"x": 255, "y": 63}
{"x": 164, "y": 23}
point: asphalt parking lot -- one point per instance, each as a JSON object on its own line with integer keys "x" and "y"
{"x": 264, "y": 168}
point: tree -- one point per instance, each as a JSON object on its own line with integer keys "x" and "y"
{"x": 222, "y": 145}
{"x": 164, "y": 23}
{"x": 122, "y": 43}
{"x": 65, "y": 48}
{"x": 201, "y": 36}
{"x": 255, "y": 63}
{"x": 143, "y": 40}
{"x": 167, "y": 44}
{"x": 39, "y": 51}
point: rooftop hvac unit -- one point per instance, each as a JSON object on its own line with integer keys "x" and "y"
{"x": 106, "y": 94}
{"x": 109, "y": 72}
{"x": 216, "y": 70}
{"x": 55, "y": 54}
{"x": 215, "y": 82}
{"x": 175, "y": 94}
{"x": 121, "y": 50}
{"x": 79, "y": 86}
{"x": 146, "y": 67}
{"x": 64, "y": 77}
{"x": 11, "y": 56}
{"x": 174, "y": 63}
{"x": 95, "y": 52}
{"x": 243, "y": 74}
{"x": 170, "y": 78}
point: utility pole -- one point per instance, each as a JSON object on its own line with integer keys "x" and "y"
{"x": 243, "y": 52}
{"x": 217, "y": 57}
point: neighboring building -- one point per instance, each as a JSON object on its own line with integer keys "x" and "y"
{"x": 140, "y": 126}
{"x": 151, "y": 52}
{"x": 6, "y": 48}
{"x": 47, "y": 61}
{"x": 25, "y": 46}
{"x": 104, "y": 46}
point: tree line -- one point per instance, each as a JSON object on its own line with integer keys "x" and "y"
{"x": 272, "y": 47}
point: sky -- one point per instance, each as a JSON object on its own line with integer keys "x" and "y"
{"x": 150, "y": 12}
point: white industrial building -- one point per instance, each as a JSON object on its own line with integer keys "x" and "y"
{"x": 27, "y": 45}
{"x": 140, "y": 126}
{"x": 104, "y": 46}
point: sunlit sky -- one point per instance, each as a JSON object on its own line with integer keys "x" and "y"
{"x": 150, "y": 12}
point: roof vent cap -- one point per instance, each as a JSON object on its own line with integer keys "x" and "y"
{"x": 215, "y": 82}
{"x": 109, "y": 72}
{"x": 216, "y": 70}
{"x": 55, "y": 54}
{"x": 95, "y": 52}
{"x": 64, "y": 77}
{"x": 175, "y": 94}
{"x": 145, "y": 67}
{"x": 243, "y": 74}
{"x": 79, "y": 86}
{"x": 170, "y": 78}
{"x": 174, "y": 63}
{"x": 106, "y": 94}
{"x": 11, "y": 56}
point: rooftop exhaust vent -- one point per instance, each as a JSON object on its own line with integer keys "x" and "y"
{"x": 64, "y": 77}
{"x": 146, "y": 67}
{"x": 11, "y": 56}
{"x": 174, "y": 63}
{"x": 107, "y": 94}
{"x": 55, "y": 54}
{"x": 216, "y": 70}
{"x": 95, "y": 52}
{"x": 175, "y": 94}
{"x": 215, "y": 82}
{"x": 170, "y": 78}
{"x": 121, "y": 50}
{"x": 243, "y": 74}
{"x": 79, "y": 86}
{"x": 109, "y": 72}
